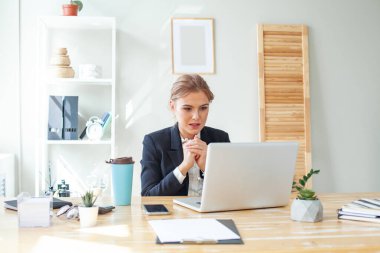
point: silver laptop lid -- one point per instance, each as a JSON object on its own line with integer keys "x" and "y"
{"x": 248, "y": 175}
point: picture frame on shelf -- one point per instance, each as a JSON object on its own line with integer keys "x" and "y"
{"x": 192, "y": 42}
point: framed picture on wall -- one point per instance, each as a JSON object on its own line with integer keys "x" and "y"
{"x": 192, "y": 45}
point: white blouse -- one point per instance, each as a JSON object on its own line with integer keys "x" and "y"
{"x": 195, "y": 181}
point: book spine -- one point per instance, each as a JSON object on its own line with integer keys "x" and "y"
{"x": 70, "y": 118}
{"x": 55, "y": 118}
{"x": 105, "y": 117}
{"x": 106, "y": 121}
{"x": 356, "y": 218}
{"x": 341, "y": 212}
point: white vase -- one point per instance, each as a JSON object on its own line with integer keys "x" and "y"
{"x": 88, "y": 216}
{"x": 306, "y": 210}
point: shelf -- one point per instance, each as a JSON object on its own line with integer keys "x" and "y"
{"x": 78, "y": 142}
{"x": 78, "y": 23}
{"x": 89, "y": 40}
{"x": 77, "y": 81}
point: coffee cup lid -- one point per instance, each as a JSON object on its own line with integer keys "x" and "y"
{"x": 121, "y": 160}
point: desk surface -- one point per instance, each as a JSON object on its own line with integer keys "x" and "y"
{"x": 263, "y": 230}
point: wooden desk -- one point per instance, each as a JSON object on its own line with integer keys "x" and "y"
{"x": 126, "y": 230}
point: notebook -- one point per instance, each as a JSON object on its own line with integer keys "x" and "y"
{"x": 245, "y": 176}
{"x": 199, "y": 239}
{"x": 57, "y": 203}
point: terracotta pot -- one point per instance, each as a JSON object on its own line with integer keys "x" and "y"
{"x": 70, "y": 10}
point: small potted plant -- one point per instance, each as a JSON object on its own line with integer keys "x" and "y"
{"x": 72, "y": 8}
{"x": 88, "y": 213}
{"x": 306, "y": 207}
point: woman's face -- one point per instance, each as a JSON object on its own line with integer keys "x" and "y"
{"x": 191, "y": 113}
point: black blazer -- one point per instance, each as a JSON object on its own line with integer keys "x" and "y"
{"x": 162, "y": 153}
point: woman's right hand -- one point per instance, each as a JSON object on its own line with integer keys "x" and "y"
{"x": 188, "y": 161}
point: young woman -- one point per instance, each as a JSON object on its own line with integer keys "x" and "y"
{"x": 174, "y": 158}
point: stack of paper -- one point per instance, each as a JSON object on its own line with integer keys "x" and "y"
{"x": 191, "y": 230}
{"x": 34, "y": 212}
{"x": 361, "y": 210}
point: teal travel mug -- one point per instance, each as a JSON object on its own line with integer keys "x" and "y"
{"x": 122, "y": 178}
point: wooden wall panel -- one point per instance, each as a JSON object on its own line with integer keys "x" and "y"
{"x": 284, "y": 88}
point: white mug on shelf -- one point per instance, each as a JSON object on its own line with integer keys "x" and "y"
{"x": 89, "y": 71}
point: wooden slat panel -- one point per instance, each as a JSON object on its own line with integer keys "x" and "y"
{"x": 280, "y": 59}
{"x": 284, "y": 88}
{"x": 281, "y": 28}
{"x": 260, "y": 49}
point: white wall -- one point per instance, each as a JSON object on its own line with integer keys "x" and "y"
{"x": 9, "y": 81}
{"x": 345, "y": 92}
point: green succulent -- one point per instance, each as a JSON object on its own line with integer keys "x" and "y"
{"x": 304, "y": 193}
{"x": 89, "y": 199}
{"x": 77, "y": 2}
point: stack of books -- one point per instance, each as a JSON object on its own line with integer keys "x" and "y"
{"x": 361, "y": 210}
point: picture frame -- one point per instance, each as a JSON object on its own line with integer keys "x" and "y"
{"x": 192, "y": 45}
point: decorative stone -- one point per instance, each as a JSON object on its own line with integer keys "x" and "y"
{"x": 61, "y": 71}
{"x": 306, "y": 210}
{"x": 60, "y": 60}
{"x": 60, "y": 64}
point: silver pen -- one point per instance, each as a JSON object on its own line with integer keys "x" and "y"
{"x": 199, "y": 241}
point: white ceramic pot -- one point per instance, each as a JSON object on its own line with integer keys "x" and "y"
{"x": 306, "y": 210}
{"x": 88, "y": 216}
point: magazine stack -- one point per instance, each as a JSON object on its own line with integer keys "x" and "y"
{"x": 361, "y": 210}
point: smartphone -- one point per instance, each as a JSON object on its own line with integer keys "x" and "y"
{"x": 105, "y": 209}
{"x": 156, "y": 209}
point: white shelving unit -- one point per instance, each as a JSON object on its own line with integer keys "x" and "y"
{"x": 89, "y": 40}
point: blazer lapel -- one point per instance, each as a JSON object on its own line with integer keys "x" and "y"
{"x": 176, "y": 152}
{"x": 205, "y": 136}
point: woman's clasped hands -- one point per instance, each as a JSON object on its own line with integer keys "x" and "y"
{"x": 195, "y": 150}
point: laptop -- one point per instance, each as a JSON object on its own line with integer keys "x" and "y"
{"x": 245, "y": 176}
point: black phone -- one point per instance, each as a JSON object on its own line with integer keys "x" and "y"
{"x": 155, "y": 209}
{"x": 105, "y": 209}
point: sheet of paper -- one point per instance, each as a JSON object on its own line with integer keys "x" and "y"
{"x": 175, "y": 230}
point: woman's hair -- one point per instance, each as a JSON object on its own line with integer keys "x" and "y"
{"x": 187, "y": 84}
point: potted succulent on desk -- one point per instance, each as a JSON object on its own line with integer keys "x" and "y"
{"x": 306, "y": 207}
{"x": 88, "y": 213}
{"x": 72, "y": 8}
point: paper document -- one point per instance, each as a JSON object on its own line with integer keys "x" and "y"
{"x": 177, "y": 230}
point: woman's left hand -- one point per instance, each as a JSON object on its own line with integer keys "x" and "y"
{"x": 199, "y": 148}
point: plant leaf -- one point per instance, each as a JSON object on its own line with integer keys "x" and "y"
{"x": 88, "y": 199}
{"x": 79, "y": 3}
{"x": 307, "y": 194}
